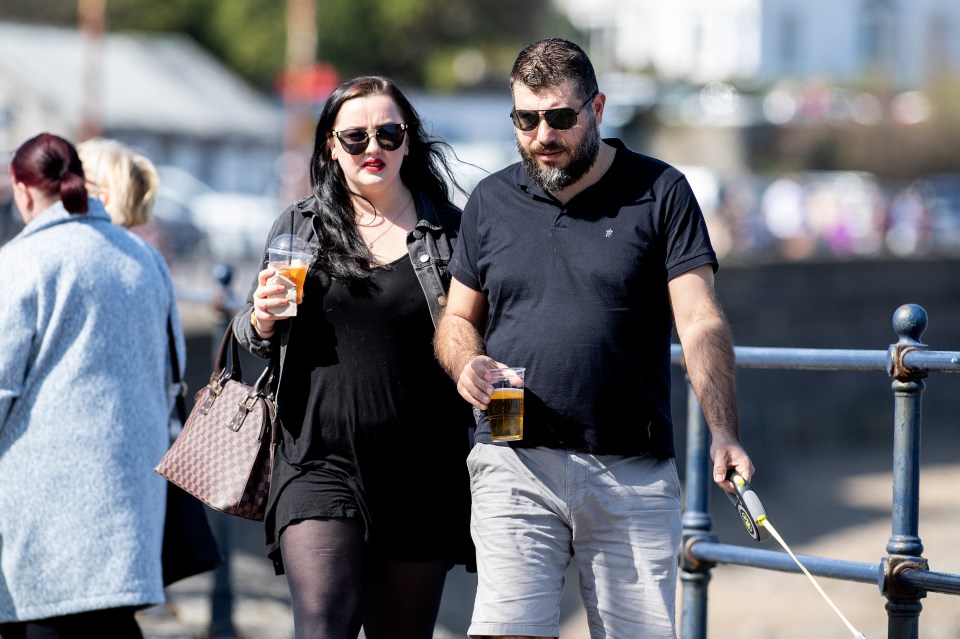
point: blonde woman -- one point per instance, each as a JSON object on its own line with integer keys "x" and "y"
{"x": 124, "y": 180}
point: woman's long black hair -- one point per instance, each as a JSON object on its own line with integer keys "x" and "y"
{"x": 425, "y": 169}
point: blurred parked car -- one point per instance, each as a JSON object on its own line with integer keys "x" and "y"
{"x": 236, "y": 224}
{"x": 172, "y": 231}
{"x": 213, "y": 225}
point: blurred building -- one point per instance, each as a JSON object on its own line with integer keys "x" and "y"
{"x": 907, "y": 42}
{"x": 160, "y": 93}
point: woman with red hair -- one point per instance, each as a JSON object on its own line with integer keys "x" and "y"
{"x": 84, "y": 408}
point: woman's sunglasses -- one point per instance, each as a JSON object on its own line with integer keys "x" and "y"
{"x": 559, "y": 119}
{"x": 356, "y": 141}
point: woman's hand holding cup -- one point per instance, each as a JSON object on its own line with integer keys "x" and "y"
{"x": 268, "y": 295}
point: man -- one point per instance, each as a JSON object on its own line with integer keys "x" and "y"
{"x": 576, "y": 263}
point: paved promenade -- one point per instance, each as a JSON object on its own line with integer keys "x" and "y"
{"x": 837, "y": 507}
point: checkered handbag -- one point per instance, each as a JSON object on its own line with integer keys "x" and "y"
{"x": 224, "y": 454}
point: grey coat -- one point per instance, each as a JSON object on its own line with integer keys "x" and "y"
{"x": 84, "y": 408}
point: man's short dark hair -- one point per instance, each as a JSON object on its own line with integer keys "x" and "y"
{"x": 549, "y": 63}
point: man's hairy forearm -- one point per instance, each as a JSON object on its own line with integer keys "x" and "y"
{"x": 709, "y": 357}
{"x": 456, "y": 342}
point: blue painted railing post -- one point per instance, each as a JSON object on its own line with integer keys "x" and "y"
{"x": 904, "y": 549}
{"x": 697, "y": 523}
{"x": 221, "y": 596}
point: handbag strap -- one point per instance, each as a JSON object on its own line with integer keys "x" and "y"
{"x": 175, "y": 373}
{"x": 221, "y": 373}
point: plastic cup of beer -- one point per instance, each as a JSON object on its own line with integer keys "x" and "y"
{"x": 291, "y": 257}
{"x": 505, "y": 410}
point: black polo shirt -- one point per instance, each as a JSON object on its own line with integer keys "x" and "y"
{"x": 577, "y": 294}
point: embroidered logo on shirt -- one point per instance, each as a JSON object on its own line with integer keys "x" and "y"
{"x": 609, "y": 233}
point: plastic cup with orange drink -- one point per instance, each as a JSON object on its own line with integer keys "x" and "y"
{"x": 291, "y": 257}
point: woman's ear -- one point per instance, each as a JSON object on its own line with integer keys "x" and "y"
{"x": 332, "y": 147}
{"x": 24, "y": 200}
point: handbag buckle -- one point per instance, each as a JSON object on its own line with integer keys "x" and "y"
{"x": 243, "y": 409}
{"x": 208, "y": 400}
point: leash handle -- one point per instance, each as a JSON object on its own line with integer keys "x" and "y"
{"x": 748, "y": 505}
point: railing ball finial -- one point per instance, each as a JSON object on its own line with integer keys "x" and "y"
{"x": 909, "y": 322}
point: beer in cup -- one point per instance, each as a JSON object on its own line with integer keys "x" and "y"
{"x": 505, "y": 410}
{"x": 291, "y": 257}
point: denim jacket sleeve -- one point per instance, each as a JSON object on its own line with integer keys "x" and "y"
{"x": 431, "y": 246}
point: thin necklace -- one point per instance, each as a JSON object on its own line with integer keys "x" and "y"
{"x": 393, "y": 222}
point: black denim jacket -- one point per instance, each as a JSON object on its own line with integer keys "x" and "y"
{"x": 430, "y": 245}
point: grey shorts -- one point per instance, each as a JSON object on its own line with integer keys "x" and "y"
{"x": 534, "y": 509}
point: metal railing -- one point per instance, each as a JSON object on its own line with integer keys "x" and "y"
{"x": 903, "y": 576}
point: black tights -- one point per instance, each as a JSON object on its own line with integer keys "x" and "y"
{"x": 118, "y": 623}
{"x": 335, "y": 588}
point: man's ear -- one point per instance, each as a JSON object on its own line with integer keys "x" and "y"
{"x": 598, "y": 109}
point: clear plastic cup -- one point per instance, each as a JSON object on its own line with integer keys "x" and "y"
{"x": 505, "y": 410}
{"x": 291, "y": 257}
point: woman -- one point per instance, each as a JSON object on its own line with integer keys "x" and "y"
{"x": 369, "y": 503}
{"x": 125, "y": 181}
{"x": 83, "y": 408}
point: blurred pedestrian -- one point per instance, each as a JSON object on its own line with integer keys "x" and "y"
{"x": 127, "y": 183}
{"x": 124, "y": 180}
{"x": 576, "y": 263}
{"x": 369, "y": 502}
{"x": 84, "y": 408}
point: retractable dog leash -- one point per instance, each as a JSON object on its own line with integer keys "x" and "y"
{"x": 759, "y": 527}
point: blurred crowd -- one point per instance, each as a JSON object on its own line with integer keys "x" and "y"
{"x": 832, "y": 215}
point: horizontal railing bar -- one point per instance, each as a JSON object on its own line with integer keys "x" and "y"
{"x": 941, "y": 582}
{"x": 811, "y": 358}
{"x": 932, "y": 361}
{"x": 835, "y": 359}
{"x": 802, "y": 358}
{"x": 781, "y": 561}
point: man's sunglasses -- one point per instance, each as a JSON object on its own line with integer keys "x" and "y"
{"x": 356, "y": 141}
{"x": 559, "y": 119}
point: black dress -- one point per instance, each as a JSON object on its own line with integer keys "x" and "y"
{"x": 372, "y": 426}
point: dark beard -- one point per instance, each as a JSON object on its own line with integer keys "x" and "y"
{"x": 556, "y": 178}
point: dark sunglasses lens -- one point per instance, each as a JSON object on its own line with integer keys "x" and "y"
{"x": 525, "y": 120}
{"x": 390, "y": 136}
{"x": 560, "y": 119}
{"x": 354, "y": 141}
